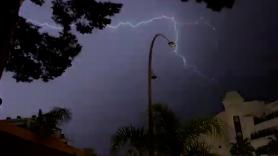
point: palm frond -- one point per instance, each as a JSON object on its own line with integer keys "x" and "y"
{"x": 195, "y": 128}
{"x": 58, "y": 115}
{"x": 128, "y": 135}
{"x": 164, "y": 118}
{"x": 47, "y": 123}
{"x": 197, "y": 148}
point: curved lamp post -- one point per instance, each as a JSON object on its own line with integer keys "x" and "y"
{"x": 150, "y": 77}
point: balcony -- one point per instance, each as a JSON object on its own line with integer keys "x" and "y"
{"x": 264, "y": 118}
{"x": 264, "y": 133}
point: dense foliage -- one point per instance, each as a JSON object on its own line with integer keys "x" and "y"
{"x": 36, "y": 55}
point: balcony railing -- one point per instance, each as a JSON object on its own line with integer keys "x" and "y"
{"x": 264, "y": 133}
{"x": 267, "y": 117}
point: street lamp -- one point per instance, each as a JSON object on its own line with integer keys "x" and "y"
{"x": 151, "y": 76}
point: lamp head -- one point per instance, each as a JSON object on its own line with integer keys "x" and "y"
{"x": 172, "y": 44}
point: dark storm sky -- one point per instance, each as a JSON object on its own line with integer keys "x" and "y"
{"x": 106, "y": 86}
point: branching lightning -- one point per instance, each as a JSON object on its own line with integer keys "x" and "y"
{"x": 200, "y": 21}
{"x": 172, "y": 19}
{"x": 175, "y": 28}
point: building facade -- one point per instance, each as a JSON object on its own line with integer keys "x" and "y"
{"x": 255, "y": 120}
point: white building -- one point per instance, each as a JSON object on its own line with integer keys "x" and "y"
{"x": 255, "y": 120}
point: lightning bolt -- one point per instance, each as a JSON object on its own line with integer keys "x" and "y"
{"x": 175, "y": 26}
{"x": 163, "y": 17}
{"x": 200, "y": 21}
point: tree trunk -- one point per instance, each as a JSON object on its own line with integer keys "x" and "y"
{"x": 8, "y": 14}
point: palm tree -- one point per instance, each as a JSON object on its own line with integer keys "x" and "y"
{"x": 171, "y": 136}
{"x": 242, "y": 147}
{"x": 181, "y": 138}
{"x": 190, "y": 133}
{"x": 136, "y": 137}
{"x": 198, "y": 149}
{"x": 48, "y": 123}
